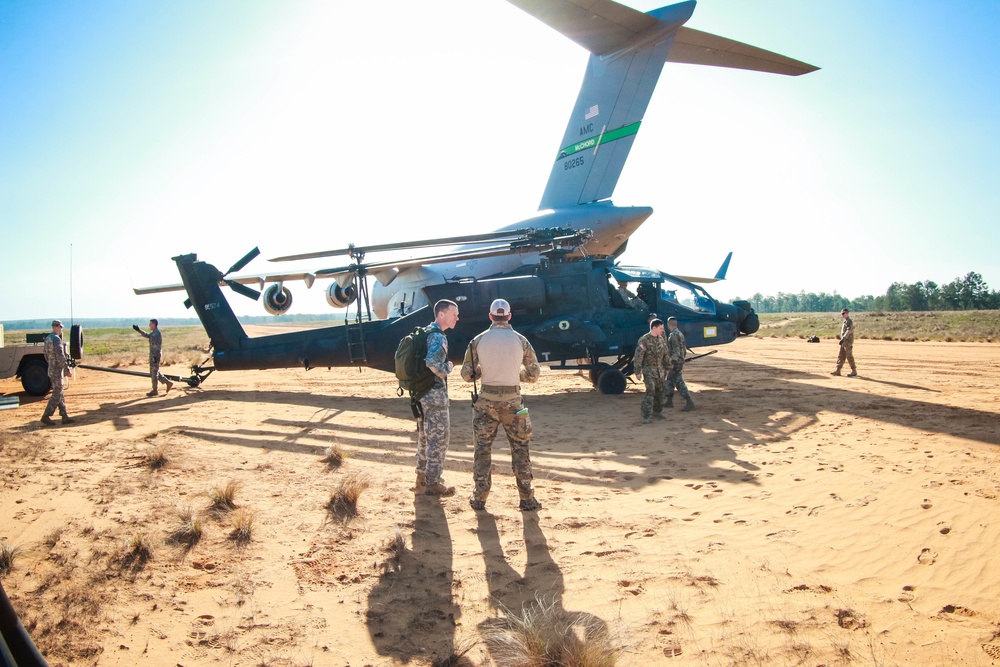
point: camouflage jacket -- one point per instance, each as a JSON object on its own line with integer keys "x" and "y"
{"x": 676, "y": 347}
{"x": 847, "y": 332}
{"x": 155, "y": 343}
{"x": 650, "y": 352}
{"x": 55, "y": 354}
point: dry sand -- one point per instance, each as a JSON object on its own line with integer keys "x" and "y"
{"x": 794, "y": 518}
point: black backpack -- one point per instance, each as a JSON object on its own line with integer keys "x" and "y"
{"x": 411, "y": 370}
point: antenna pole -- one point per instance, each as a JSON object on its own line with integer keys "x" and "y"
{"x": 71, "y": 285}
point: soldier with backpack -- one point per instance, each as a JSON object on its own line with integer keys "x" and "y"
{"x": 433, "y": 418}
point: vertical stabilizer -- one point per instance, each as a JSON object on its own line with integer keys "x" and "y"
{"x": 201, "y": 281}
{"x": 628, "y": 51}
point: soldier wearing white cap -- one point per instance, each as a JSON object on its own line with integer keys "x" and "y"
{"x": 55, "y": 356}
{"x": 501, "y": 358}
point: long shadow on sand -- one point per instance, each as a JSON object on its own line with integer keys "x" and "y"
{"x": 541, "y": 585}
{"x": 411, "y": 612}
{"x": 740, "y": 404}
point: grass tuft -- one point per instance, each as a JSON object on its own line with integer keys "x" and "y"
{"x": 224, "y": 497}
{"x": 189, "y": 531}
{"x": 243, "y": 525}
{"x": 136, "y": 552}
{"x": 544, "y": 634}
{"x": 334, "y": 456}
{"x": 156, "y": 457}
{"x": 457, "y": 656}
{"x": 344, "y": 501}
{"x": 8, "y": 553}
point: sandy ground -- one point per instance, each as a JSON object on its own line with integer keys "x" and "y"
{"x": 794, "y": 518}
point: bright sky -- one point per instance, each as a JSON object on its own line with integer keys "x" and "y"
{"x": 131, "y": 132}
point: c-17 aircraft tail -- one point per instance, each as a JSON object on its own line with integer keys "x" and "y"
{"x": 628, "y": 49}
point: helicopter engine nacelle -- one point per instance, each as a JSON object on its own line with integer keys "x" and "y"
{"x": 341, "y": 297}
{"x": 277, "y": 299}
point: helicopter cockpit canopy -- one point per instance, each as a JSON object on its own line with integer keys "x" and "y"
{"x": 672, "y": 289}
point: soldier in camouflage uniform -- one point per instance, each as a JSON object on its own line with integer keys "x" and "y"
{"x": 677, "y": 350}
{"x": 434, "y": 426}
{"x": 55, "y": 356}
{"x": 846, "y": 345}
{"x": 502, "y": 359}
{"x": 650, "y": 363}
{"x": 155, "y": 355}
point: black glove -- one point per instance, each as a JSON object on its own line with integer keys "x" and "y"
{"x": 136, "y": 327}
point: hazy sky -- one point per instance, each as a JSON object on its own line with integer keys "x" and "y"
{"x": 131, "y": 132}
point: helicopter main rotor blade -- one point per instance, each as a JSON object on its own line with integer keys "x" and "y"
{"x": 406, "y": 245}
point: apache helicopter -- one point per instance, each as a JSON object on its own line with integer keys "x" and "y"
{"x": 567, "y": 305}
{"x": 628, "y": 50}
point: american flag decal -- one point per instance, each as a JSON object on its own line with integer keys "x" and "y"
{"x": 591, "y": 112}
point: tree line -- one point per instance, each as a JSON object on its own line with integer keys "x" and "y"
{"x": 968, "y": 293}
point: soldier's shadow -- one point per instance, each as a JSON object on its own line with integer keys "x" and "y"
{"x": 411, "y": 612}
{"x": 533, "y": 599}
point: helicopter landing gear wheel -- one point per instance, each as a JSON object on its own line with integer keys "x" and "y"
{"x": 611, "y": 381}
{"x": 595, "y": 372}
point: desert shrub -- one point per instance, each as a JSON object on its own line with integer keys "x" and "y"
{"x": 545, "y": 634}
{"x": 344, "y": 501}
{"x": 224, "y": 496}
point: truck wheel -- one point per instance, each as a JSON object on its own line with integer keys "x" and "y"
{"x": 35, "y": 378}
{"x": 76, "y": 341}
{"x": 611, "y": 381}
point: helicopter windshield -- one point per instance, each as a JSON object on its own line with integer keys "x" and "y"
{"x": 689, "y": 296}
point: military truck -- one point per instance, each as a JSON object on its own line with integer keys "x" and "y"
{"x": 27, "y": 361}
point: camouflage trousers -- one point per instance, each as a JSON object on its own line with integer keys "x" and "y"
{"x": 56, "y": 401}
{"x": 675, "y": 378}
{"x": 653, "y": 402}
{"x": 846, "y": 354}
{"x": 433, "y": 434}
{"x": 488, "y": 415}
{"x": 154, "y": 372}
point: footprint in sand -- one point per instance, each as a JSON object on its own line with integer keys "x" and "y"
{"x": 907, "y": 595}
{"x": 927, "y": 556}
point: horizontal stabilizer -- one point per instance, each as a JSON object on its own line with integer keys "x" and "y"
{"x": 600, "y": 26}
{"x": 695, "y": 47}
{"x": 719, "y": 275}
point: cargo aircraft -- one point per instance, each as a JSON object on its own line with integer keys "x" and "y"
{"x": 628, "y": 50}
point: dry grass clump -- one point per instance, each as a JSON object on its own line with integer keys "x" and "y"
{"x": 8, "y": 553}
{"x": 52, "y": 539}
{"x": 224, "y": 497}
{"x": 334, "y": 456}
{"x": 189, "y": 531}
{"x": 243, "y": 525}
{"x": 136, "y": 552}
{"x": 156, "y": 457}
{"x": 457, "y": 656}
{"x": 544, "y": 634}
{"x": 344, "y": 501}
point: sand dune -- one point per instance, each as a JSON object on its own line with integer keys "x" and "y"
{"x": 794, "y": 518}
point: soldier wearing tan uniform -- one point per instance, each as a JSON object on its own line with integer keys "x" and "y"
{"x": 502, "y": 359}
